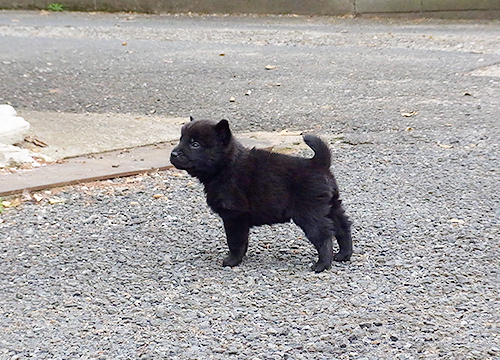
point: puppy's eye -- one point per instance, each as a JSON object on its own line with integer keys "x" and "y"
{"x": 194, "y": 144}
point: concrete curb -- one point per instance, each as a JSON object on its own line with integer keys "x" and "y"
{"x": 444, "y": 8}
{"x": 68, "y": 135}
{"x": 114, "y": 164}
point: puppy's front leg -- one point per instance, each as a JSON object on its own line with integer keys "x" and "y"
{"x": 237, "y": 229}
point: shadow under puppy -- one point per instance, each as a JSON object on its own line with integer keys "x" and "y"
{"x": 256, "y": 187}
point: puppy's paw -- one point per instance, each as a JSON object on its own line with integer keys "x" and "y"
{"x": 342, "y": 256}
{"x": 321, "y": 266}
{"x": 231, "y": 260}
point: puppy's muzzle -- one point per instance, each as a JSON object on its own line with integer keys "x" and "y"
{"x": 178, "y": 159}
{"x": 175, "y": 153}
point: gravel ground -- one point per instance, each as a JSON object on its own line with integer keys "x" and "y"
{"x": 114, "y": 272}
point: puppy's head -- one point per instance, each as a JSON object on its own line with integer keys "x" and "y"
{"x": 203, "y": 147}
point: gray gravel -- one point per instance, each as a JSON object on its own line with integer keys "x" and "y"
{"x": 115, "y": 273}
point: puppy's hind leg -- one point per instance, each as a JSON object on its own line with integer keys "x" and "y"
{"x": 237, "y": 229}
{"x": 345, "y": 245}
{"x": 320, "y": 232}
{"x": 342, "y": 227}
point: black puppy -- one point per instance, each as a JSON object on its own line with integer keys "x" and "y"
{"x": 256, "y": 187}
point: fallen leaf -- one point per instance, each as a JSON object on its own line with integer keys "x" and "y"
{"x": 124, "y": 44}
{"x": 13, "y": 203}
{"x": 158, "y": 196}
{"x": 444, "y": 146}
{"x": 270, "y": 67}
{"x": 457, "y": 221}
{"x": 26, "y": 166}
{"x": 134, "y": 203}
{"x": 38, "y": 159}
{"x": 35, "y": 141}
{"x": 348, "y": 16}
{"x": 54, "y": 201}
{"x": 38, "y": 197}
{"x": 409, "y": 114}
{"x": 26, "y": 195}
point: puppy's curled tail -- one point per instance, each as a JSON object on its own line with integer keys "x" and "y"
{"x": 322, "y": 155}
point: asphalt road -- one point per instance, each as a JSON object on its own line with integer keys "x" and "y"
{"x": 330, "y": 74}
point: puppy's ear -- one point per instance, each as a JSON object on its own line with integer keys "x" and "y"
{"x": 191, "y": 118}
{"x": 222, "y": 129}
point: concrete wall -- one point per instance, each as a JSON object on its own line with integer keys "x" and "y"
{"x": 303, "y": 7}
{"x": 394, "y": 6}
{"x": 320, "y": 7}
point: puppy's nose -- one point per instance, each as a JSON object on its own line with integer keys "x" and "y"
{"x": 175, "y": 153}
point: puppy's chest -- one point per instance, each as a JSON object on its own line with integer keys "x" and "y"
{"x": 223, "y": 198}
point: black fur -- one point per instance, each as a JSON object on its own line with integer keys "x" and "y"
{"x": 256, "y": 187}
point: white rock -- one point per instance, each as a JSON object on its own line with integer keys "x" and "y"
{"x": 9, "y": 153}
{"x": 7, "y": 110}
{"x": 13, "y": 129}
